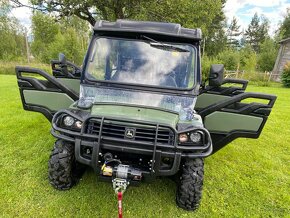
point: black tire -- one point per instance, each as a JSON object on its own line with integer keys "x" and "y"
{"x": 189, "y": 188}
{"x": 63, "y": 171}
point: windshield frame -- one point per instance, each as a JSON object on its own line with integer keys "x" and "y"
{"x": 137, "y": 86}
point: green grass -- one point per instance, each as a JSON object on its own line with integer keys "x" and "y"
{"x": 248, "y": 178}
{"x": 8, "y": 67}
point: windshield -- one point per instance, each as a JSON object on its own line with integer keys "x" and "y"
{"x": 142, "y": 62}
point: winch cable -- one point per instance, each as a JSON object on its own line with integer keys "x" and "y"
{"x": 120, "y": 198}
{"x": 120, "y": 186}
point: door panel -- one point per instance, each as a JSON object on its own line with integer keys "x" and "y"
{"x": 227, "y": 122}
{"x": 51, "y": 100}
{"x": 73, "y": 84}
{"x": 41, "y": 92}
{"x": 206, "y": 99}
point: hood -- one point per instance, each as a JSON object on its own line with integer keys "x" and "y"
{"x": 136, "y": 113}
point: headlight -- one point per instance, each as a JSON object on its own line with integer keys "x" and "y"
{"x": 68, "y": 121}
{"x": 183, "y": 137}
{"x": 195, "y": 137}
{"x": 78, "y": 124}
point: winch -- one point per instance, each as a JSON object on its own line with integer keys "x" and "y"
{"x": 121, "y": 176}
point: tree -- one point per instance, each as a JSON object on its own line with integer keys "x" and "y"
{"x": 186, "y": 12}
{"x": 233, "y": 32}
{"x": 257, "y": 32}
{"x": 44, "y": 30}
{"x": 267, "y": 56}
{"x": 215, "y": 37}
{"x": 230, "y": 58}
{"x": 12, "y": 43}
{"x": 285, "y": 27}
{"x": 248, "y": 58}
{"x": 207, "y": 14}
{"x": 50, "y": 38}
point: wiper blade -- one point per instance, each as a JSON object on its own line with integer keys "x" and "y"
{"x": 164, "y": 46}
{"x": 167, "y": 47}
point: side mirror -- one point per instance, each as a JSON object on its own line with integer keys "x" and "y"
{"x": 63, "y": 63}
{"x": 216, "y": 75}
{"x": 62, "y": 58}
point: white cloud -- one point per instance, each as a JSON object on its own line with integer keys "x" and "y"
{"x": 252, "y": 11}
{"x": 275, "y": 16}
{"x": 23, "y": 14}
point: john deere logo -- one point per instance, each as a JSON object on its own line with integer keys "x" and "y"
{"x": 130, "y": 133}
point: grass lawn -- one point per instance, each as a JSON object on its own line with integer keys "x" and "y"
{"x": 248, "y": 178}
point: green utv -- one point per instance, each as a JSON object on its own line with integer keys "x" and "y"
{"x": 138, "y": 108}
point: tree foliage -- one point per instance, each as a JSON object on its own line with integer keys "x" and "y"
{"x": 286, "y": 75}
{"x": 215, "y": 37}
{"x": 285, "y": 27}
{"x": 267, "y": 56}
{"x": 230, "y": 58}
{"x": 257, "y": 31}
{"x": 50, "y": 38}
{"x": 233, "y": 32}
{"x": 186, "y": 12}
{"x": 12, "y": 35}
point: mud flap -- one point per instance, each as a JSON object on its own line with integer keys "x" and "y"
{"x": 230, "y": 118}
{"x": 41, "y": 92}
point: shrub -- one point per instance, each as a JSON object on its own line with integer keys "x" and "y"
{"x": 286, "y": 75}
{"x": 206, "y": 62}
{"x": 230, "y": 59}
{"x": 257, "y": 78}
{"x": 267, "y": 56}
{"x": 8, "y": 67}
{"x": 248, "y": 59}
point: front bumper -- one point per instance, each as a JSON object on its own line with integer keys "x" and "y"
{"x": 154, "y": 150}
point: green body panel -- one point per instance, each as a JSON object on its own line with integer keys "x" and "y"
{"x": 54, "y": 101}
{"x": 196, "y": 121}
{"x": 138, "y": 113}
{"x": 205, "y": 99}
{"x": 73, "y": 84}
{"x": 226, "y": 122}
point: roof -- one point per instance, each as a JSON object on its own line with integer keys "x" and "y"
{"x": 284, "y": 41}
{"x": 170, "y": 29}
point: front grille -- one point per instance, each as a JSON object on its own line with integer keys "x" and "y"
{"x": 143, "y": 132}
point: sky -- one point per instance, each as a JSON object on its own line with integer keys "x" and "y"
{"x": 243, "y": 10}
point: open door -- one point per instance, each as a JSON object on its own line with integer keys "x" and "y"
{"x": 44, "y": 93}
{"x": 229, "y": 112}
{"x": 242, "y": 115}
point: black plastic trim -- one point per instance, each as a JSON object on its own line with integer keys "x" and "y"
{"x": 218, "y": 106}
{"x": 62, "y": 70}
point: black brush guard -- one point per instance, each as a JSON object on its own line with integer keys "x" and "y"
{"x": 154, "y": 149}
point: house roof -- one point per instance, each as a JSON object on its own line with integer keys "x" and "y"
{"x": 168, "y": 29}
{"x": 284, "y": 41}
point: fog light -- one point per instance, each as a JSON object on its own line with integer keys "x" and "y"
{"x": 183, "y": 137}
{"x": 68, "y": 121}
{"x": 195, "y": 137}
{"x": 78, "y": 124}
